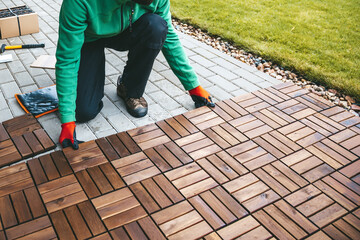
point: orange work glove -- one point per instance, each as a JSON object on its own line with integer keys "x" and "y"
{"x": 68, "y": 136}
{"x": 201, "y": 97}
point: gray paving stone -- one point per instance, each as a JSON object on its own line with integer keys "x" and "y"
{"x": 105, "y": 133}
{"x": 51, "y": 51}
{"x": 248, "y": 75}
{"x": 16, "y": 66}
{"x": 109, "y": 108}
{"x": 53, "y": 127}
{"x": 178, "y": 111}
{"x": 143, "y": 121}
{"x": 150, "y": 87}
{"x": 157, "y": 112}
{"x": 204, "y": 53}
{"x": 264, "y": 84}
{"x": 169, "y": 88}
{"x": 120, "y": 122}
{"x": 186, "y": 101}
{"x": 29, "y": 88}
{"x": 224, "y": 72}
{"x": 225, "y": 63}
{"x": 5, "y": 76}
{"x": 189, "y": 52}
{"x": 164, "y": 100}
{"x": 10, "y": 89}
{"x": 84, "y": 133}
{"x": 239, "y": 92}
{"x": 158, "y": 66}
{"x": 204, "y": 82}
{"x": 154, "y": 76}
{"x": 43, "y": 80}
{"x": 99, "y": 124}
{"x": 223, "y": 83}
{"x": 3, "y": 103}
{"x": 110, "y": 70}
{"x": 246, "y": 85}
{"x": 15, "y": 107}
{"x": 169, "y": 75}
{"x": 5, "y": 114}
{"x": 161, "y": 58}
{"x": 202, "y": 61}
{"x": 110, "y": 92}
{"x": 219, "y": 93}
{"x": 202, "y": 71}
{"x": 23, "y": 79}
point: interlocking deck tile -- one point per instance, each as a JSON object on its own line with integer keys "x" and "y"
{"x": 123, "y": 144}
{"x": 177, "y": 127}
{"x": 198, "y": 145}
{"x": 250, "y": 126}
{"x": 222, "y": 167}
{"x": 149, "y": 136}
{"x": 181, "y": 221}
{"x": 347, "y": 227}
{"x": 36, "y": 229}
{"x": 190, "y": 179}
{"x": 118, "y": 208}
{"x": 61, "y": 193}
{"x": 228, "y": 110}
{"x": 88, "y": 155}
{"x": 20, "y": 207}
{"x": 203, "y": 118}
{"x": 15, "y": 178}
{"x": 80, "y": 221}
{"x": 135, "y": 168}
{"x": 156, "y": 193}
{"x": 246, "y": 228}
{"x": 251, "y": 192}
{"x": 352, "y": 171}
{"x": 144, "y": 228}
{"x": 251, "y": 155}
{"x": 99, "y": 180}
{"x": 217, "y": 207}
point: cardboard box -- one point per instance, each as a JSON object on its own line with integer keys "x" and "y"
{"x": 18, "y": 21}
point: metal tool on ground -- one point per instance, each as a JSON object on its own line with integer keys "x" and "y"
{"x": 4, "y": 47}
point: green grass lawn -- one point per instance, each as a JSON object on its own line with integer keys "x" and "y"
{"x": 317, "y": 38}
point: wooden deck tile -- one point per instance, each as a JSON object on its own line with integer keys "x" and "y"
{"x": 203, "y": 118}
{"x": 351, "y": 170}
{"x": 246, "y": 228}
{"x": 36, "y": 229}
{"x": 20, "y": 125}
{"x": 191, "y": 179}
{"x": 250, "y": 126}
{"x": 15, "y": 178}
{"x": 88, "y": 155}
{"x": 347, "y": 227}
{"x": 222, "y": 167}
{"x": 61, "y": 193}
{"x": 135, "y": 168}
{"x": 118, "y": 208}
{"x": 99, "y": 180}
{"x": 148, "y": 136}
{"x": 217, "y": 207}
{"x": 251, "y": 192}
{"x": 177, "y": 127}
{"x": 251, "y": 155}
{"x": 228, "y": 110}
{"x": 181, "y": 221}
{"x": 8, "y": 153}
{"x": 156, "y": 193}
{"x": 198, "y": 145}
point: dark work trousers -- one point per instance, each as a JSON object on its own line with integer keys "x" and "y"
{"x": 143, "y": 41}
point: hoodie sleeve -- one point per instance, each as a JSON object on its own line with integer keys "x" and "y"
{"x": 174, "y": 52}
{"x": 72, "y": 25}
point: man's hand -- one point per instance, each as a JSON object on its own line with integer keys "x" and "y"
{"x": 201, "y": 97}
{"x": 144, "y": 2}
{"x": 68, "y": 136}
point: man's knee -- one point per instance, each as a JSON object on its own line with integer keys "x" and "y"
{"x": 157, "y": 29}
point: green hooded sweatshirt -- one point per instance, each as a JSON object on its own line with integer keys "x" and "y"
{"x": 89, "y": 20}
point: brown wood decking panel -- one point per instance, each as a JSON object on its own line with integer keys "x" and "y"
{"x": 277, "y": 163}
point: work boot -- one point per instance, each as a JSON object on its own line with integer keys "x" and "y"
{"x": 137, "y": 107}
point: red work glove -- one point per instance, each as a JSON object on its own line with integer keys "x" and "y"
{"x": 201, "y": 97}
{"x": 68, "y": 136}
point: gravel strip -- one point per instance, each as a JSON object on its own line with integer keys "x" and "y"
{"x": 268, "y": 67}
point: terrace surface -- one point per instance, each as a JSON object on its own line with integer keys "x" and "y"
{"x": 279, "y": 162}
{"x": 270, "y": 161}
